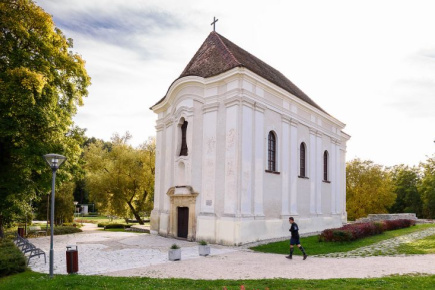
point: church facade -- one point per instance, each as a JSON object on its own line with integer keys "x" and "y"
{"x": 240, "y": 149}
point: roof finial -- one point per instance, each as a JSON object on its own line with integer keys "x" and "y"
{"x": 214, "y": 23}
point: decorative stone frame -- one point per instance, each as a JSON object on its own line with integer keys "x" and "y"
{"x": 182, "y": 196}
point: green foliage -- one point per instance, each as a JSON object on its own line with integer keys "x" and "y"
{"x": 113, "y": 226}
{"x": 12, "y": 261}
{"x": 174, "y": 247}
{"x": 369, "y": 189}
{"x": 66, "y": 230}
{"x": 405, "y": 181}
{"x": 427, "y": 188}
{"x": 41, "y": 84}
{"x": 202, "y": 243}
{"x": 120, "y": 179}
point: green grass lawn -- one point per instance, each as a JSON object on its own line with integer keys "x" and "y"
{"x": 32, "y": 280}
{"x": 314, "y": 247}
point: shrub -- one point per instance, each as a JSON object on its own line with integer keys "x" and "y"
{"x": 202, "y": 243}
{"x": 113, "y": 226}
{"x": 174, "y": 247}
{"x": 66, "y": 230}
{"x": 398, "y": 224}
{"x": 12, "y": 261}
{"x": 357, "y": 231}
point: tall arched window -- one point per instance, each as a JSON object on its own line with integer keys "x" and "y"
{"x": 325, "y": 165}
{"x": 302, "y": 160}
{"x": 271, "y": 157}
{"x": 184, "y": 150}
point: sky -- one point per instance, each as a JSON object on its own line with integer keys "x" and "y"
{"x": 370, "y": 64}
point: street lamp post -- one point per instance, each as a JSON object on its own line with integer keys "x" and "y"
{"x": 54, "y": 161}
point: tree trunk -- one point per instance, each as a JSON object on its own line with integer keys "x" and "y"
{"x": 135, "y": 213}
{"x": 2, "y": 234}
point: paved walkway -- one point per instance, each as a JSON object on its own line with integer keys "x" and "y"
{"x": 138, "y": 254}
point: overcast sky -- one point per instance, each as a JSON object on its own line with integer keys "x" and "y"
{"x": 370, "y": 64}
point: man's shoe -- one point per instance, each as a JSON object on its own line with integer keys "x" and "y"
{"x": 289, "y": 257}
{"x": 305, "y": 256}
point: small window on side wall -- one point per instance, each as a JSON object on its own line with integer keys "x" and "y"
{"x": 302, "y": 160}
{"x": 271, "y": 156}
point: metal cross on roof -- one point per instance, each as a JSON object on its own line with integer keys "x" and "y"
{"x": 214, "y": 23}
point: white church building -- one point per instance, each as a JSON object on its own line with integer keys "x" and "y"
{"x": 240, "y": 149}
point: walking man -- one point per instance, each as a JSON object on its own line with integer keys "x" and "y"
{"x": 294, "y": 240}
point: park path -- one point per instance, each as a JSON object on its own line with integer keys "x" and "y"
{"x": 138, "y": 254}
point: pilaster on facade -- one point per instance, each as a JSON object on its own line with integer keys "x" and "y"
{"x": 293, "y": 166}
{"x": 211, "y": 107}
{"x": 247, "y": 162}
{"x": 232, "y": 101}
{"x": 258, "y": 158}
{"x": 313, "y": 171}
{"x": 285, "y": 165}
{"x": 333, "y": 178}
{"x": 160, "y": 126}
{"x": 259, "y": 107}
{"x": 319, "y": 167}
{"x": 231, "y": 157}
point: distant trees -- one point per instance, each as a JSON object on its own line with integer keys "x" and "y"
{"x": 41, "y": 84}
{"x": 372, "y": 188}
{"x": 427, "y": 187}
{"x": 120, "y": 179}
{"x": 369, "y": 189}
{"x": 406, "y": 181}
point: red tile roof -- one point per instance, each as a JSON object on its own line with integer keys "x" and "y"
{"x": 218, "y": 55}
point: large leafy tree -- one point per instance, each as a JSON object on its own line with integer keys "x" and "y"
{"x": 41, "y": 84}
{"x": 120, "y": 178}
{"x": 369, "y": 189}
{"x": 427, "y": 187}
{"x": 406, "y": 180}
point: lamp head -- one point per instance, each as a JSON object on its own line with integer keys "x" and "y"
{"x": 54, "y": 160}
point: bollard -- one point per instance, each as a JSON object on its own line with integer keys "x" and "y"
{"x": 21, "y": 232}
{"x": 72, "y": 259}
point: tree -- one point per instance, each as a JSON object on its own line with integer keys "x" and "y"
{"x": 427, "y": 188}
{"x": 120, "y": 179}
{"x": 41, "y": 84}
{"x": 406, "y": 180}
{"x": 369, "y": 189}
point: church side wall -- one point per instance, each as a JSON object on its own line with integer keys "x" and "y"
{"x": 238, "y": 200}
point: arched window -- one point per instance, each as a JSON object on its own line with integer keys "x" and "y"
{"x": 302, "y": 160}
{"x": 271, "y": 157}
{"x": 184, "y": 150}
{"x": 325, "y": 165}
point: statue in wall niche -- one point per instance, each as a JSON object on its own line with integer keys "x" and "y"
{"x": 184, "y": 150}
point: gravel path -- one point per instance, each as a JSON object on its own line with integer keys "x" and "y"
{"x": 137, "y": 254}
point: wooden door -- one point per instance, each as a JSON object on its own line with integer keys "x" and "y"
{"x": 183, "y": 222}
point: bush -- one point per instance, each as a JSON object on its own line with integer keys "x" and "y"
{"x": 357, "y": 231}
{"x": 113, "y": 226}
{"x": 12, "y": 261}
{"x": 398, "y": 224}
{"x": 66, "y": 230}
